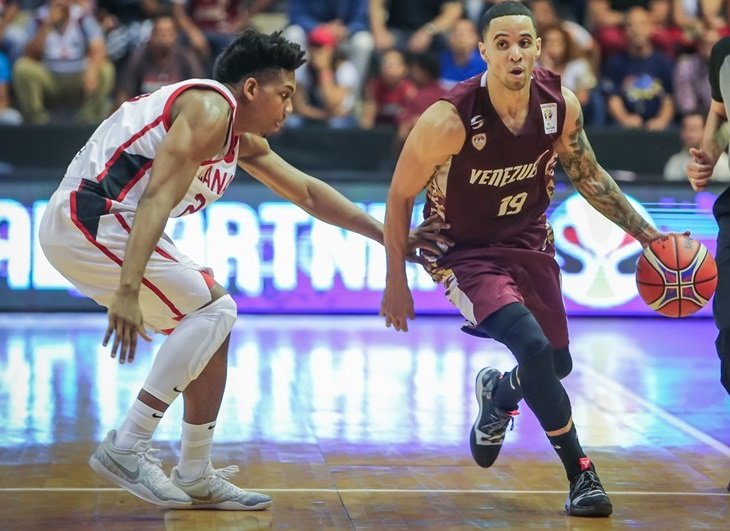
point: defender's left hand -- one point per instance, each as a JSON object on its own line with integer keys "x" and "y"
{"x": 427, "y": 236}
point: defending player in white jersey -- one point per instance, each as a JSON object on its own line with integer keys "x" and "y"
{"x": 167, "y": 154}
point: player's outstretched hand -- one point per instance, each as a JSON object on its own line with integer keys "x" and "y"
{"x": 427, "y": 237}
{"x": 125, "y": 323}
{"x": 397, "y": 305}
{"x": 699, "y": 169}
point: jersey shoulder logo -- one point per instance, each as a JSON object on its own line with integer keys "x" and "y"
{"x": 549, "y": 117}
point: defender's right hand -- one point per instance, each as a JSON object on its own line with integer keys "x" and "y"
{"x": 125, "y": 323}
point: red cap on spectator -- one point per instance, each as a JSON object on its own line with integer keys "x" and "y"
{"x": 322, "y": 36}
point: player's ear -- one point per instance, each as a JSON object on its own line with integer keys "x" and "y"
{"x": 483, "y": 51}
{"x": 250, "y": 88}
{"x": 538, "y": 46}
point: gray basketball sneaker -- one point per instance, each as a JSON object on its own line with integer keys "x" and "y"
{"x": 138, "y": 472}
{"x": 214, "y": 491}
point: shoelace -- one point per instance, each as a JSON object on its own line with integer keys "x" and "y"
{"x": 588, "y": 483}
{"x": 220, "y": 477}
{"x": 158, "y": 474}
{"x": 494, "y": 430}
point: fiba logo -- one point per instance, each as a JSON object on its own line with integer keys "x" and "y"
{"x": 598, "y": 260}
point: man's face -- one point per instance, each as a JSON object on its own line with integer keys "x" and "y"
{"x": 544, "y": 13}
{"x": 164, "y": 34}
{"x": 267, "y": 109}
{"x": 511, "y": 48}
{"x": 693, "y": 126}
{"x": 638, "y": 26}
{"x": 393, "y": 66}
{"x": 463, "y": 38}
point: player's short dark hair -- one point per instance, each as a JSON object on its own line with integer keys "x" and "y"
{"x": 505, "y": 9}
{"x": 253, "y": 54}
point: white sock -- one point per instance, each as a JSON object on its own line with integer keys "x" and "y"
{"x": 197, "y": 445}
{"x": 140, "y": 423}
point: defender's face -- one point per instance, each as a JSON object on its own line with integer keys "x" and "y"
{"x": 266, "y": 105}
{"x": 511, "y": 48}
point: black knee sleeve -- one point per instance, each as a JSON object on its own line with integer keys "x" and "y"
{"x": 516, "y": 327}
{"x": 563, "y": 362}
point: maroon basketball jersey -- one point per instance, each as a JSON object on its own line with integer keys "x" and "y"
{"x": 495, "y": 191}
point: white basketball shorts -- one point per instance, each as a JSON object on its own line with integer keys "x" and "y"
{"x": 86, "y": 242}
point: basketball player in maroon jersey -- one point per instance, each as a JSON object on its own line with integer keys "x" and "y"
{"x": 486, "y": 154}
{"x": 167, "y": 154}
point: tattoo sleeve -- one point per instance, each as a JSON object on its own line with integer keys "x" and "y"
{"x": 598, "y": 187}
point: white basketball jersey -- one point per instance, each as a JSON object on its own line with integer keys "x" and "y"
{"x": 117, "y": 159}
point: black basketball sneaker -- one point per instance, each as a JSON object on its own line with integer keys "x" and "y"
{"x": 586, "y": 496}
{"x": 487, "y": 434}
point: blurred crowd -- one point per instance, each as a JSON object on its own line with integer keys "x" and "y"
{"x": 634, "y": 64}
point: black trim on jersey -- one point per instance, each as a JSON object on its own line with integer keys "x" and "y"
{"x": 121, "y": 173}
{"x": 720, "y": 51}
{"x": 90, "y": 206}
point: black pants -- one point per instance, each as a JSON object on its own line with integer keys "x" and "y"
{"x": 721, "y": 302}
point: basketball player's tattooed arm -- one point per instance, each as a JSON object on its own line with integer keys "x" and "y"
{"x": 592, "y": 181}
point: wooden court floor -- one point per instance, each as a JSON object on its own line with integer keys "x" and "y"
{"x": 348, "y": 425}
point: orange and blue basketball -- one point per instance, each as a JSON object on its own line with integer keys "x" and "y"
{"x": 676, "y": 275}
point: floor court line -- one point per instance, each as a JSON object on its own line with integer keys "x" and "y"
{"x": 663, "y": 414}
{"x": 390, "y": 491}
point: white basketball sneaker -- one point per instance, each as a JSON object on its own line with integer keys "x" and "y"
{"x": 138, "y": 472}
{"x": 214, "y": 491}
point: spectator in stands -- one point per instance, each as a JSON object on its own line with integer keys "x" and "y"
{"x": 546, "y": 17}
{"x": 413, "y": 25}
{"x": 560, "y": 55}
{"x": 64, "y": 61}
{"x": 327, "y": 84}
{"x": 693, "y": 126}
{"x": 425, "y": 74}
{"x": 666, "y": 36}
{"x": 691, "y": 76}
{"x": 210, "y": 25}
{"x": 694, "y": 16}
{"x": 606, "y": 19}
{"x": 12, "y": 36}
{"x": 127, "y": 25}
{"x": 639, "y": 81}
{"x": 8, "y": 115}
{"x": 461, "y": 59}
{"x": 387, "y": 93}
{"x": 347, "y": 20}
{"x": 162, "y": 61}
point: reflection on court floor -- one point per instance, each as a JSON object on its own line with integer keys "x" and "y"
{"x": 347, "y": 394}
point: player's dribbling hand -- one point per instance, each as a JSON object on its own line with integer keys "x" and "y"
{"x": 699, "y": 169}
{"x": 397, "y": 305}
{"x": 663, "y": 235}
{"x": 427, "y": 237}
{"x": 125, "y": 323}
